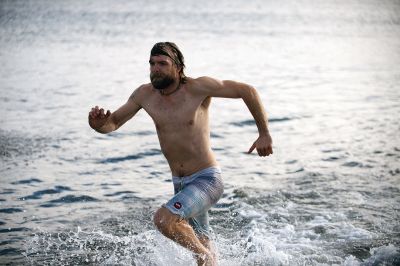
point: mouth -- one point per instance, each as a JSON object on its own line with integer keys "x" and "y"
{"x": 156, "y": 76}
{"x": 160, "y": 81}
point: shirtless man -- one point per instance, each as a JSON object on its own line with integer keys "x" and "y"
{"x": 178, "y": 106}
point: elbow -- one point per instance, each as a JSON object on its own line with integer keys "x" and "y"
{"x": 252, "y": 90}
{"x": 248, "y": 92}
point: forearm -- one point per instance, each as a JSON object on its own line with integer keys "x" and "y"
{"x": 253, "y": 102}
{"x": 107, "y": 122}
{"x": 106, "y": 128}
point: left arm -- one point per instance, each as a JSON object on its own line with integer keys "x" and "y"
{"x": 232, "y": 89}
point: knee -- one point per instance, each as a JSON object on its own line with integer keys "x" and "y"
{"x": 158, "y": 219}
{"x": 164, "y": 220}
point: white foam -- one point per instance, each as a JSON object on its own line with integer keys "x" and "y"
{"x": 146, "y": 248}
{"x": 351, "y": 261}
{"x": 271, "y": 239}
{"x": 384, "y": 255}
{"x": 260, "y": 242}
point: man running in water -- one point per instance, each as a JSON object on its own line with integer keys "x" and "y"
{"x": 179, "y": 107}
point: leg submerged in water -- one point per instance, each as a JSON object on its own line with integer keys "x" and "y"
{"x": 179, "y": 230}
{"x": 210, "y": 246}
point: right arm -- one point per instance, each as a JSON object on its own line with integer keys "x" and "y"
{"x": 108, "y": 122}
{"x": 232, "y": 89}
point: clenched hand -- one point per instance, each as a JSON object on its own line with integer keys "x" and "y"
{"x": 97, "y": 117}
{"x": 263, "y": 145}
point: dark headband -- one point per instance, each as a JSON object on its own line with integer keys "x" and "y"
{"x": 165, "y": 48}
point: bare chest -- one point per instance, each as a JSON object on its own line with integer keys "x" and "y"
{"x": 175, "y": 112}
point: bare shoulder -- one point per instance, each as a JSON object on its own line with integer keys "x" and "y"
{"x": 203, "y": 85}
{"x": 212, "y": 87}
{"x": 140, "y": 93}
{"x": 208, "y": 82}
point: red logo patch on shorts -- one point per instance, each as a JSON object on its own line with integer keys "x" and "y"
{"x": 177, "y": 205}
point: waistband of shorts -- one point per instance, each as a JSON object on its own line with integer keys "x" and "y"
{"x": 206, "y": 171}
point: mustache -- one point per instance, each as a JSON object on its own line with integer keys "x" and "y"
{"x": 157, "y": 75}
{"x": 161, "y": 81}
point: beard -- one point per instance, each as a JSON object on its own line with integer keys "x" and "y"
{"x": 161, "y": 81}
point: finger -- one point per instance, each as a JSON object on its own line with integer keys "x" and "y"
{"x": 95, "y": 114}
{"x": 259, "y": 152}
{"x": 101, "y": 112}
{"x": 270, "y": 151}
{"x": 91, "y": 112}
{"x": 264, "y": 152}
{"x": 252, "y": 148}
{"x": 108, "y": 113}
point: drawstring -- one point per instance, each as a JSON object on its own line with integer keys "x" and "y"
{"x": 181, "y": 184}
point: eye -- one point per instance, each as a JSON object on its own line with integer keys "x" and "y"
{"x": 151, "y": 63}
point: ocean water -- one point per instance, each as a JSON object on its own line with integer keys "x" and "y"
{"x": 328, "y": 74}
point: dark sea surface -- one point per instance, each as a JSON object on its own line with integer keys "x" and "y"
{"x": 327, "y": 71}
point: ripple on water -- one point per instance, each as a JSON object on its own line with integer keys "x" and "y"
{"x": 7, "y": 191}
{"x": 27, "y": 181}
{"x": 39, "y": 194}
{"x": 68, "y": 200}
{"x": 216, "y": 136}
{"x": 117, "y": 134}
{"x": 144, "y": 133}
{"x": 332, "y": 158}
{"x": 10, "y": 251}
{"x": 119, "y": 193}
{"x": 331, "y": 150}
{"x": 353, "y": 164}
{"x": 16, "y": 229}
{"x": 298, "y": 170}
{"x": 152, "y": 152}
{"x": 11, "y": 210}
{"x": 394, "y": 172}
{"x": 111, "y": 184}
{"x": 251, "y": 122}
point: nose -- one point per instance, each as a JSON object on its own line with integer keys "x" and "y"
{"x": 155, "y": 72}
{"x": 155, "y": 68}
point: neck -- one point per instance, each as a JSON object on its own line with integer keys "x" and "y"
{"x": 171, "y": 89}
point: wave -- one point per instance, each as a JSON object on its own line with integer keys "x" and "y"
{"x": 152, "y": 152}
{"x": 40, "y": 193}
{"x": 67, "y": 200}
{"x": 251, "y": 122}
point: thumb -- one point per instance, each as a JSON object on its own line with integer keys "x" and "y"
{"x": 252, "y": 148}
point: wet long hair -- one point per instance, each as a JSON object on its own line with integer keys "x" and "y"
{"x": 171, "y": 50}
